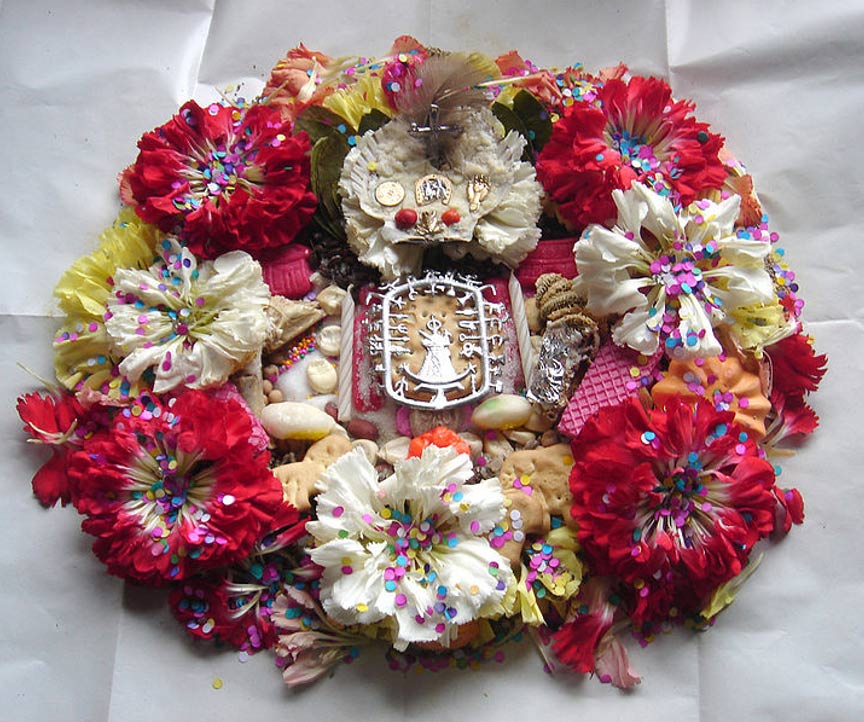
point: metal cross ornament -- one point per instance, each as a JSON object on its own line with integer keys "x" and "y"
{"x": 432, "y": 132}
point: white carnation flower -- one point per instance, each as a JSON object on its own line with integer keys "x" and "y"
{"x": 673, "y": 276}
{"x": 410, "y": 548}
{"x": 195, "y": 323}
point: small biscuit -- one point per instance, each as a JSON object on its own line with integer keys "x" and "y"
{"x": 299, "y": 479}
{"x": 537, "y": 484}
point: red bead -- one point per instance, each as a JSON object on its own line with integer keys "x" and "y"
{"x": 405, "y": 218}
{"x": 450, "y": 216}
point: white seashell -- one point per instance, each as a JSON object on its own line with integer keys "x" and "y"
{"x": 507, "y": 411}
{"x": 475, "y": 443}
{"x": 395, "y": 450}
{"x": 330, "y": 339}
{"x": 291, "y": 420}
{"x": 370, "y": 448}
{"x": 321, "y": 376}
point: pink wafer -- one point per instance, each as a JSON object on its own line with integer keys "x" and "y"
{"x": 609, "y": 380}
{"x": 552, "y": 256}
{"x": 287, "y": 271}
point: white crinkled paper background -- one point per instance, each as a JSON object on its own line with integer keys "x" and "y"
{"x": 80, "y": 82}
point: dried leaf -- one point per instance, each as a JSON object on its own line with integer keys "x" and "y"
{"x": 373, "y": 120}
{"x": 535, "y": 118}
{"x": 318, "y": 122}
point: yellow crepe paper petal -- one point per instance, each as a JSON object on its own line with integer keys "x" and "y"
{"x": 724, "y": 595}
{"x": 354, "y": 102}
{"x": 84, "y": 288}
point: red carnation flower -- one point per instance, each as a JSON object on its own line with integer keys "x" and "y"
{"x": 176, "y": 494}
{"x": 796, "y": 369}
{"x": 670, "y": 502}
{"x": 234, "y": 606}
{"x": 229, "y": 178}
{"x": 638, "y": 133}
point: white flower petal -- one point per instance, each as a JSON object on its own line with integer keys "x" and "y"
{"x": 695, "y": 320}
{"x": 480, "y": 506}
{"x": 631, "y": 212}
{"x": 474, "y": 574}
{"x": 634, "y": 331}
{"x": 426, "y": 569}
{"x": 744, "y": 251}
{"x": 740, "y": 285}
{"x": 349, "y": 487}
{"x": 209, "y": 317}
{"x": 718, "y": 219}
{"x": 346, "y": 597}
{"x": 660, "y": 218}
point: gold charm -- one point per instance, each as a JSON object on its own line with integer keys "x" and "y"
{"x": 389, "y": 193}
{"x": 478, "y": 188}
{"x": 429, "y": 224}
{"x": 431, "y": 188}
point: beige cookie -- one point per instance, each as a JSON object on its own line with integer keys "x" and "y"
{"x": 298, "y": 479}
{"x": 536, "y": 483}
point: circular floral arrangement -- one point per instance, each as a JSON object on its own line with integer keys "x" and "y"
{"x": 431, "y": 351}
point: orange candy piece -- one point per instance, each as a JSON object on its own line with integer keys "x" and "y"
{"x": 439, "y": 436}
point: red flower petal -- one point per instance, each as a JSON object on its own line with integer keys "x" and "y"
{"x": 671, "y": 502}
{"x": 169, "y": 499}
{"x": 796, "y": 368}
{"x": 50, "y": 483}
{"x": 639, "y": 133}
{"x": 49, "y": 417}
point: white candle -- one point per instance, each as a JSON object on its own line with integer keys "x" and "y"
{"x": 346, "y": 358}
{"x": 520, "y": 320}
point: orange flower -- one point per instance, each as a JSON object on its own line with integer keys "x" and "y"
{"x": 295, "y": 80}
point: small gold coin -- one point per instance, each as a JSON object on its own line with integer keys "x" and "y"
{"x": 389, "y": 193}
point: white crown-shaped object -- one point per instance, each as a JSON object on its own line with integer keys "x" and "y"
{"x": 482, "y": 200}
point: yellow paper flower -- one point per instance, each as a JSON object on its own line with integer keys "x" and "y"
{"x": 758, "y": 326}
{"x": 353, "y": 102}
{"x": 553, "y": 575}
{"x": 81, "y": 346}
{"x": 84, "y": 288}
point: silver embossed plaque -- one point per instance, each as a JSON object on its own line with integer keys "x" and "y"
{"x": 437, "y": 340}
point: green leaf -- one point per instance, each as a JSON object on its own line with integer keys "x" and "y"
{"x": 511, "y": 121}
{"x": 535, "y": 118}
{"x": 328, "y": 155}
{"x": 320, "y": 123}
{"x": 373, "y": 120}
